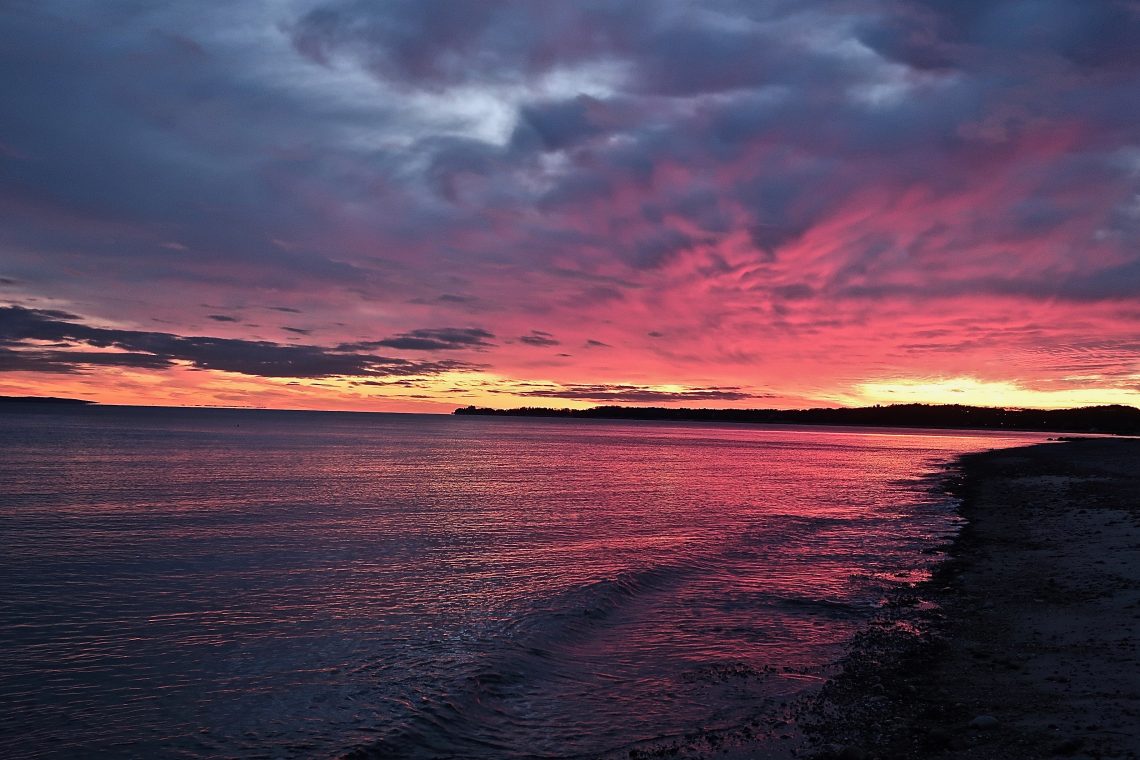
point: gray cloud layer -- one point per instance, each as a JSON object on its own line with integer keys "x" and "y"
{"x": 23, "y": 331}
{"x": 325, "y": 151}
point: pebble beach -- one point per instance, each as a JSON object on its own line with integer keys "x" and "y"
{"x": 1025, "y": 644}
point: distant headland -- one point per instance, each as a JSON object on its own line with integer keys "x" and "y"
{"x": 1115, "y": 419}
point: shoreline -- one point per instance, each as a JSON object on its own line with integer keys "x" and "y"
{"x": 1028, "y": 633}
{"x": 1110, "y": 420}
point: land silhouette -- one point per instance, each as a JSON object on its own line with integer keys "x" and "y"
{"x": 1116, "y": 419}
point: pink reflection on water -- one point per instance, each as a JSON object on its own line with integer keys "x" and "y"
{"x": 473, "y": 587}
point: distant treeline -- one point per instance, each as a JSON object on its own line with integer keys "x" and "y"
{"x": 1121, "y": 420}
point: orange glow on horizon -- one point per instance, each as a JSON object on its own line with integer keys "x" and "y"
{"x": 185, "y": 387}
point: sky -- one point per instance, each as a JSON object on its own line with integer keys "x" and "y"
{"x": 414, "y": 205}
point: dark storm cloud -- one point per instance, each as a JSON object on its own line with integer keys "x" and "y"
{"x": 185, "y": 123}
{"x": 21, "y": 328}
{"x": 638, "y": 394}
{"x": 557, "y": 124}
{"x": 346, "y": 150}
{"x": 430, "y": 339}
{"x": 222, "y": 318}
{"x": 406, "y": 40}
{"x": 679, "y": 49}
{"x": 132, "y": 140}
{"x": 929, "y": 34}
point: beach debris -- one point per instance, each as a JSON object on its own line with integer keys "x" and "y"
{"x": 984, "y": 722}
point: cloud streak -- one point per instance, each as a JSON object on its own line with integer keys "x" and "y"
{"x": 21, "y": 329}
{"x": 431, "y": 339}
{"x": 640, "y": 394}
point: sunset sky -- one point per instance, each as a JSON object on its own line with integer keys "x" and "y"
{"x": 417, "y": 205}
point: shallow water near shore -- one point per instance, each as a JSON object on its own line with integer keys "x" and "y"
{"x": 225, "y": 583}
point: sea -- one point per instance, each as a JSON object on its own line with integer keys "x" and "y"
{"x": 219, "y": 583}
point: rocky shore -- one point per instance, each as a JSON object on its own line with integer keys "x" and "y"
{"x": 1024, "y": 644}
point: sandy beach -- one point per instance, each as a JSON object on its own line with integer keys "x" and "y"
{"x": 1027, "y": 639}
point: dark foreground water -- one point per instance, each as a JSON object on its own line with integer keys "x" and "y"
{"x": 210, "y": 583}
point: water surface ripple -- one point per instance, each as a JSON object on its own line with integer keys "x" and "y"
{"x": 222, "y": 583}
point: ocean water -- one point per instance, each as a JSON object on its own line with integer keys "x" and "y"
{"x": 225, "y": 583}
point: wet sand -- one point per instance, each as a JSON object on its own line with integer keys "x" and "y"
{"x": 1026, "y": 643}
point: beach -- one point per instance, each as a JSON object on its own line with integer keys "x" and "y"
{"x": 1025, "y": 640}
